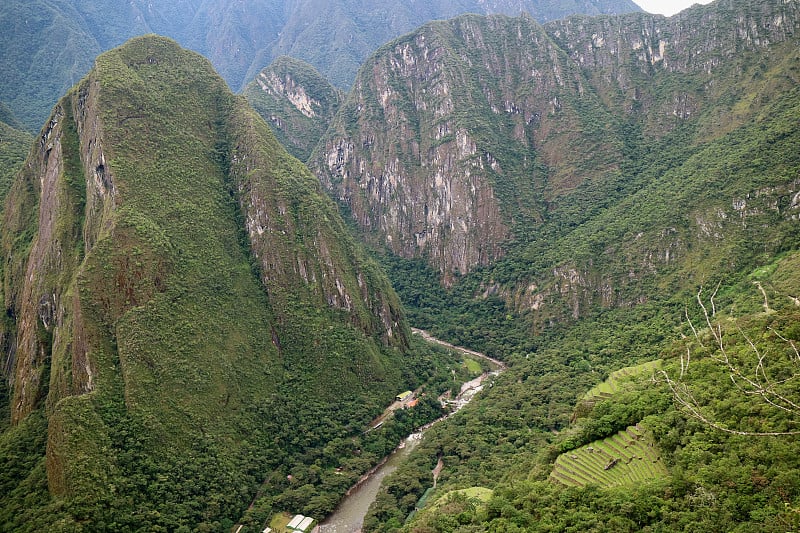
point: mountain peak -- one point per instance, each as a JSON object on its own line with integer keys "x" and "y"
{"x": 171, "y": 268}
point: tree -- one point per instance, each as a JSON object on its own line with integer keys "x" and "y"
{"x": 762, "y": 370}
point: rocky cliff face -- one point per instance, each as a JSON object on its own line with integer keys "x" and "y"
{"x": 479, "y": 129}
{"x": 296, "y": 101}
{"x": 165, "y": 263}
{"x": 454, "y": 138}
{"x": 669, "y": 70}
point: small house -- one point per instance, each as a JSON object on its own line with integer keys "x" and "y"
{"x": 403, "y": 396}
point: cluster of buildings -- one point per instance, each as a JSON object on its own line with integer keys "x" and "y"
{"x": 300, "y": 523}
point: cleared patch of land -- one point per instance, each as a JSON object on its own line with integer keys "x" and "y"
{"x": 626, "y": 458}
{"x": 616, "y": 380}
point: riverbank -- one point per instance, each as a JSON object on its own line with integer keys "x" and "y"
{"x": 349, "y": 514}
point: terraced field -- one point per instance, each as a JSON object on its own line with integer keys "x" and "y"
{"x": 617, "y": 379}
{"x": 626, "y": 458}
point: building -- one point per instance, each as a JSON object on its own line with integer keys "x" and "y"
{"x": 300, "y": 523}
{"x": 403, "y": 396}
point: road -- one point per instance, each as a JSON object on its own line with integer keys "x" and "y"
{"x": 430, "y": 338}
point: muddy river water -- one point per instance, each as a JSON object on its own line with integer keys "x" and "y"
{"x": 349, "y": 515}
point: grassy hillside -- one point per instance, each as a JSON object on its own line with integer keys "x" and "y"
{"x": 621, "y": 459}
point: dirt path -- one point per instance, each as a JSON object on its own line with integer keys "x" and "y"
{"x": 430, "y": 338}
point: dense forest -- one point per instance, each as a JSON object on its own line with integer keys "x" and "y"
{"x": 167, "y": 363}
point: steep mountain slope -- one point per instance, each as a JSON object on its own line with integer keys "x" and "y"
{"x": 14, "y": 144}
{"x": 297, "y": 101}
{"x": 475, "y": 131}
{"x": 702, "y": 196}
{"x": 49, "y": 44}
{"x": 454, "y": 136}
{"x": 172, "y": 280}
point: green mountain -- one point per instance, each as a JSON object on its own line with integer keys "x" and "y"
{"x": 454, "y": 137}
{"x": 192, "y": 341}
{"x": 714, "y": 452}
{"x": 297, "y": 101}
{"x": 578, "y": 197}
{"x": 573, "y": 179}
{"x": 48, "y": 45}
{"x": 180, "y": 297}
{"x": 14, "y": 145}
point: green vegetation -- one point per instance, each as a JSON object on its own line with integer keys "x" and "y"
{"x": 191, "y": 366}
{"x": 505, "y": 440}
{"x": 608, "y": 279}
{"x": 48, "y": 45}
{"x": 618, "y": 378}
{"x": 628, "y": 457}
{"x": 198, "y": 342}
{"x": 14, "y": 145}
{"x": 296, "y": 127}
{"x": 46, "y": 49}
{"x": 473, "y": 366}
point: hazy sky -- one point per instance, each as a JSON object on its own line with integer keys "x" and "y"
{"x": 667, "y": 7}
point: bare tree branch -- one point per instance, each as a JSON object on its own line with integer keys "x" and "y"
{"x": 685, "y": 398}
{"x": 748, "y": 368}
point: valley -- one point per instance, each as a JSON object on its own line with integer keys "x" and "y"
{"x": 576, "y": 223}
{"x": 350, "y": 512}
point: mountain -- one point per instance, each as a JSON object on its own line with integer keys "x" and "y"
{"x": 642, "y": 172}
{"x": 50, "y": 44}
{"x": 14, "y": 144}
{"x": 454, "y": 135}
{"x": 297, "y": 101}
{"x": 179, "y": 297}
{"x": 335, "y": 37}
{"x": 475, "y": 137}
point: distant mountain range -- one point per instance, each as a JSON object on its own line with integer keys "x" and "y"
{"x": 48, "y": 45}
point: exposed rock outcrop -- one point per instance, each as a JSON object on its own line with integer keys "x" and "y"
{"x": 470, "y": 136}
{"x": 443, "y": 146}
{"x": 296, "y": 101}
{"x": 168, "y": 264}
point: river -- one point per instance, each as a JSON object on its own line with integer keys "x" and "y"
{"x": 349, "y": 515}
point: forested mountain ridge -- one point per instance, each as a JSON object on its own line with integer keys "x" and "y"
{"x": 297, "y": 102}
{"x": 665, "y": 228}
{"x": 475, "y": 137}
{"x": 48, "y": 45}
{"x": 172, "y": 279}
